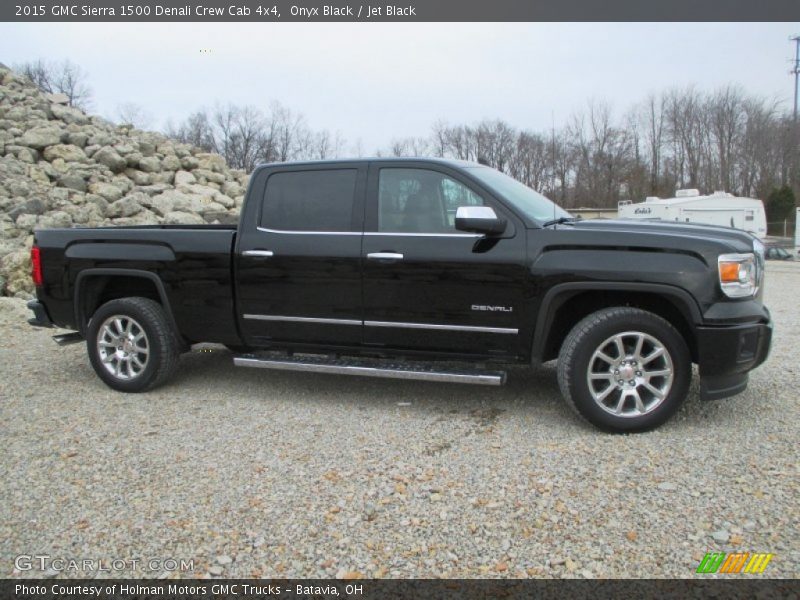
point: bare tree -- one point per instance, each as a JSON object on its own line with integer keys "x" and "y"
{"x": 290, "y": 133}
{"x": 654, "y": 121}
{"x": 357, "y": 149}
{"x": 726, "y": 119}
{"x": 238, "y": 134}
{"x": 689, "y": 133}
{"x": 398, "y": 148}
{"x": 324, "y": 145}
{"x": 195, "y": 130}
{"x": 457, "y": 141}
{"x": 62, "y": 78}
{"x": 494, "y": 143}
{"x": 563, "y": 167}
{"x": 37, "y": 72}
{"x": 604, "y": 155}
{"x": 411, "y": 146}
{"x": 247, "y": 136}
{"x": 681, "y": 137}
{"x": 134, "y": 114}
{"x": 529, "y": 163}
{"x": 71, "y": 80}
{"x": 439, "y": 139}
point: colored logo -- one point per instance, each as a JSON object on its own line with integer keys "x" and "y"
{"x": 737, "y": 562}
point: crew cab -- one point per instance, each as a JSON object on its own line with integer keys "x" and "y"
{"x": 419, "y": 269}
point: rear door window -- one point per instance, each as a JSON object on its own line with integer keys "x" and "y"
{"x": 318, "y": 200}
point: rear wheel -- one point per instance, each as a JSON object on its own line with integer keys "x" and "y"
{"x": 131, "y": 344}
{"x": 624, "y": 369}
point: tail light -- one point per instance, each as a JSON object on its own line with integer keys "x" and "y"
{"x": 36, "y": 266}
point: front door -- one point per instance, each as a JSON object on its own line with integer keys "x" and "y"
{"x": 428, "y": 286}
{"x": 299, "y": 256}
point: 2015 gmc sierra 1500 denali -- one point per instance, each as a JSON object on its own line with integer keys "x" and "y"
{"x": 421, "y": 269}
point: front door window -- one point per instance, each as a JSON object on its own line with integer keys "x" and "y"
{"x": 420, "y": 201}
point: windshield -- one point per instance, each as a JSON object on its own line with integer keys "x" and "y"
{"x": 523, "y": 198}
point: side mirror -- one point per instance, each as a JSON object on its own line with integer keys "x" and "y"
{"x": 479, "y": 219}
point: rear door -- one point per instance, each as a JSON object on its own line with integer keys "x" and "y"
{"x": 427, "y": 286}
{"x": 298, "y": 266}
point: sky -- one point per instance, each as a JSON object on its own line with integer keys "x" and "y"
{"x": 374, "y": 82}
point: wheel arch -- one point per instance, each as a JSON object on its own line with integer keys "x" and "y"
{"x": 567, "y": 303}
{"x": 94, "y": 287}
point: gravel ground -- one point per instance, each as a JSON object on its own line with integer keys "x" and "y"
{"x": 248, "y": 472}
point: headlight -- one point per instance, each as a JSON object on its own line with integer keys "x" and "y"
{"x": 738, "y": 275}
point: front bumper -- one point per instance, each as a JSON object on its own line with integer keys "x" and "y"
{"x": 727, "y": 354}
{"x": 40, "y": 317}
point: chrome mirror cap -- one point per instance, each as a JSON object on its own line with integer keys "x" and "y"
{"x": 480, "y": 219}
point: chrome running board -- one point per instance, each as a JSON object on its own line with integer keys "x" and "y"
{"x": 372, "y": 368}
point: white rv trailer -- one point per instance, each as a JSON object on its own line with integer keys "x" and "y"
{"x": 688, "y": 206}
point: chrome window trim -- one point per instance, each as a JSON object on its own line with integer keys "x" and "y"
{"x": 285, "y": 231}
{"x": 401, "y": 234}
{"x": 303, "y": 319}
{"x": 473, "y": 328}
{"x": 399, "y": 324}
{"x": 371, "y": 233}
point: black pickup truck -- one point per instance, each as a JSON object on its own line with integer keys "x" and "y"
{"x": 418, "y": 269}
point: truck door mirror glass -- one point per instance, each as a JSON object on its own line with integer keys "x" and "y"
{"x": 479, "y": 219}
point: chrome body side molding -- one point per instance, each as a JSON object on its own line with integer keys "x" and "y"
{"x": 399, "y": 324}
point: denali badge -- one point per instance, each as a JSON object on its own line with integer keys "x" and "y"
{"x": 492, "y": 308}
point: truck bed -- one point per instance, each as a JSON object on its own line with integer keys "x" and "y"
{"x": 192, "y": 263}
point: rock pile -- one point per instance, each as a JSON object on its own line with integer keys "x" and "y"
{"x": 60, "y": 167}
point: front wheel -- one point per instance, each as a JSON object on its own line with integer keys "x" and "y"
{"x": 624, "y": 369}
{"x": 131, "y": 344}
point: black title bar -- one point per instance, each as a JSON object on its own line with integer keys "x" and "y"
{"x": 461, "y": 589}
{"x": 268, "y": 11}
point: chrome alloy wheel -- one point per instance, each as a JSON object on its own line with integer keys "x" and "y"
{"x": 123, "y": 347}
{"x": 630, "y": 374}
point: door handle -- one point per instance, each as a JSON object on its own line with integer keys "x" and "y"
{"x": 385, "y": 256}
{"x": 258, "y": 253}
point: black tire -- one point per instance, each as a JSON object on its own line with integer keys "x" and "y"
{"x": 159, "y": 339}
{"x": 591, "y": 335}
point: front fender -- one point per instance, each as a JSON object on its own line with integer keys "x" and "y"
{"x": 561, "y": 293}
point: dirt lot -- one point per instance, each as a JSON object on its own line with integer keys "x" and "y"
{"x": 258, "y": 473}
